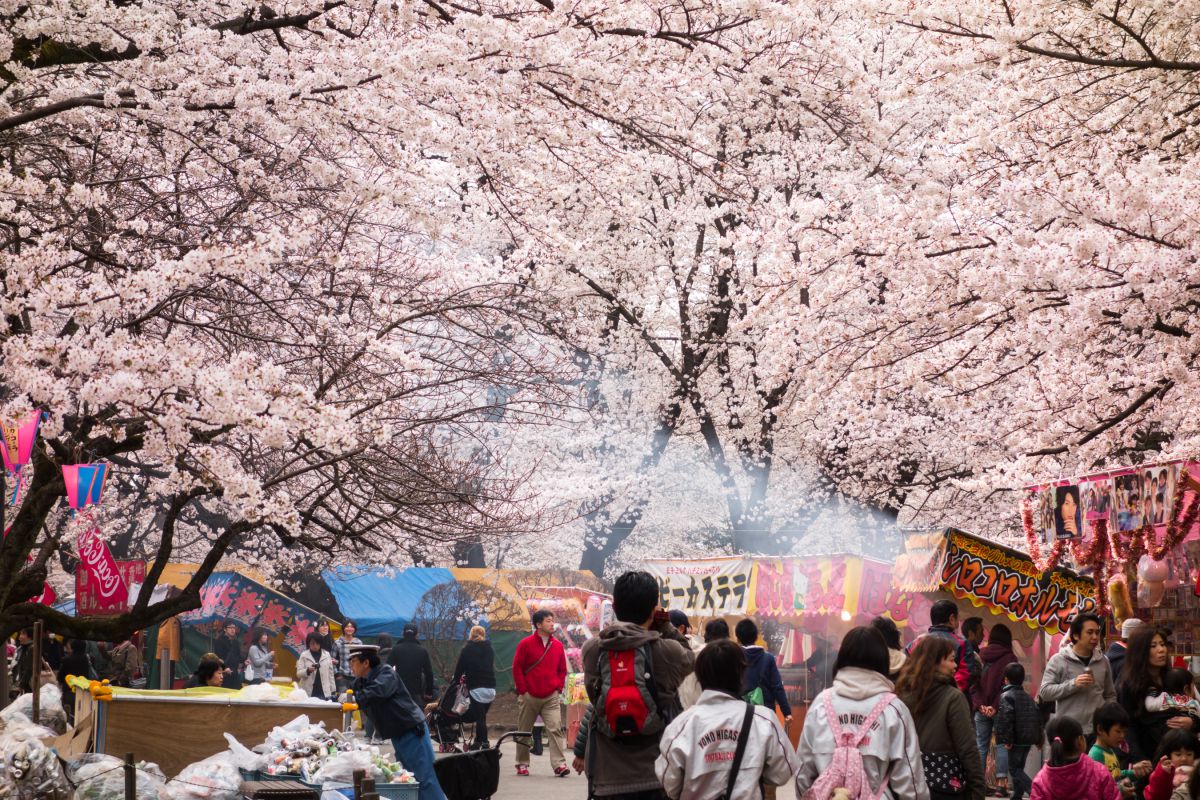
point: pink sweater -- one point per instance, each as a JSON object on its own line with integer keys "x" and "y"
{"x": 1083, "y": 780}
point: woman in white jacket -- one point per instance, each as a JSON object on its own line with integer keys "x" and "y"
{"x": 697, "y": 749}
{"x": 314, "y": 670}
{"x": 860, "y": 683}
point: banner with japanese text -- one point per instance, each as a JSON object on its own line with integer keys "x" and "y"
{"x": 1006, "y": 580}
{"x": 94, "y": 592}
{"x": 708, "y": 587}
{"x": 233, "y": 597}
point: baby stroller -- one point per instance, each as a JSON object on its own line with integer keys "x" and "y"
{"x": 474, "y": 775}
{"x": 447, "y": 729}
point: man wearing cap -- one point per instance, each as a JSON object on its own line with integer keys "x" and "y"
{"x": 380, "y": 695}
{"x": 1116, "y": 650}
{"x": 412, "y": 663}
{"x": 689, "y": 688}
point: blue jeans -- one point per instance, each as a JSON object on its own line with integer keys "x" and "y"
{"x": 1021, "y": 783}
{"x": 415, "y": 752}
{"x": 983, "y": 739}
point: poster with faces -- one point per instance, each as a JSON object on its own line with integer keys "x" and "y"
{"x": 1068, "y": 512}
{"x": 1097, "y": 498}
{"x": 1128, "y": 501}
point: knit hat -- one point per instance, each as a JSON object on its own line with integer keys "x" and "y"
{"x": 1130, "y": 626}
{"x": 678, "y": 618}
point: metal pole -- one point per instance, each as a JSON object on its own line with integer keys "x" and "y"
{"x": 164, "y": 667}
{"x": 130, "y": 778}
{"x": 4, "y": 686}
{"x": 36, "y": 671}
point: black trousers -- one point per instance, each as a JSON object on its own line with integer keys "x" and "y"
{"x": 478, "y": 712}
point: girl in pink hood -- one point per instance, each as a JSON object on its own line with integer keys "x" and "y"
{"x": 1070, "y": 774}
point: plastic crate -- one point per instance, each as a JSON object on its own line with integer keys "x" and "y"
{"x": 394, "y": 791}
{"x": 258, "y": 776}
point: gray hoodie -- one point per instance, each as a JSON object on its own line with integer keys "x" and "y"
{"x": 1077, "y": 702}
{"x": 624, "y": 766}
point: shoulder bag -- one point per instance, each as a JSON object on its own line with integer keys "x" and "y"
{"x": 739, "y": 754}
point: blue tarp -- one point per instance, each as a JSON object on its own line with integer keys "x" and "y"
{"x": 380, "y": 602}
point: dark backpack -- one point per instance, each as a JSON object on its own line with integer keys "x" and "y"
{"x": 627, "y": 704}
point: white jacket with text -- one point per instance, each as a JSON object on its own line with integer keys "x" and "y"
{"x": 892, "y": 749}
{"x": 697, "y": 750}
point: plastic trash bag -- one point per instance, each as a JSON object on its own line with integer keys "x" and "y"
{"x": 99, "y": 780}
{"x": 214, "y": 778}
{"x": 29, "y": 770}
{"x": 51, "y": 713}
{"x": 242, "y": 757}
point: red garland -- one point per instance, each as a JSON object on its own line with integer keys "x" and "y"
{"x": 1031, "y": 539}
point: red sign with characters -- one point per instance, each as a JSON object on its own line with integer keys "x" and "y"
{"x": 103, "y": 590}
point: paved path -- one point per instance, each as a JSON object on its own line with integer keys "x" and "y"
{"x": 542, "y": 785}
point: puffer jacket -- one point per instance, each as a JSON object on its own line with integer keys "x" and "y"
{"x": 1080, "y": 780}
{"x": 1017, "y": 721}
{"x": 697, "y": 750}
{"x": 1077, "y": 702}
{"x": 626, "y": 765}
{"x": 893, "y": 749}
{"x": 945, "y": 725}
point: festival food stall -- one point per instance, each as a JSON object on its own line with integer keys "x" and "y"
{"x": 135, "y": 721}
{"x": 443, "y": 602}
{"x": 240, "y": 596}
{"x": 998, "y": 583}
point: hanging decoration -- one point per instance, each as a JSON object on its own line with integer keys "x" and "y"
{"x": 85, "y": 484}
{"x": 16, "y": 447}
{"x": 1140, "y": 541}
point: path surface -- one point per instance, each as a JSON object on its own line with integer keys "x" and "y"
{"x": 542, "y": 785}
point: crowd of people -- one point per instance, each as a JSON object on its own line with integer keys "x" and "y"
{"x": 676, "y": 715}
{"x": 679, "y": 717}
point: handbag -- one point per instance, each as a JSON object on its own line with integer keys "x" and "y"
{"x": 944, "y": 772}
{"x": 462, "y": 699}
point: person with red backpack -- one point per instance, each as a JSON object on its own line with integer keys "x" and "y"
{"x": 943, "y": 622}
{"x": 858, "y": 735}
{"x": 540, "y": 673}
{"x": 632, "y": 672}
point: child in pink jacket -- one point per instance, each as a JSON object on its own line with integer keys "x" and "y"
{"x": 1070, "y": 774}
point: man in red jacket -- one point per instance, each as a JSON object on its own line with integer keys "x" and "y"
{"x": 540, "y": 673}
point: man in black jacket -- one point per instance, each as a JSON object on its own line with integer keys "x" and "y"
{"x": 380, "y": 695}
{"x": 413, "y": 665}
{"x": 229, "y": 650}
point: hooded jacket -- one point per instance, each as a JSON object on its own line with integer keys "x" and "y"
{"x": 995, "y": 658}
{"x": 626, "y": 765}
{"x": 892, "y": 748}
{"x": 1077, "y": 702}
{"x": 1084, "y": 779}
{"x": 697, "y": 750}
{"x": 762, "y": 672}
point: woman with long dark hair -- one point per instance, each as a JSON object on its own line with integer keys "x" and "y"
{"x": 1147, "y": 660}
{"x": 942, "y": 714}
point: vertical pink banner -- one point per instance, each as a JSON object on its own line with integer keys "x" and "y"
{"x": 98, "y": 578}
